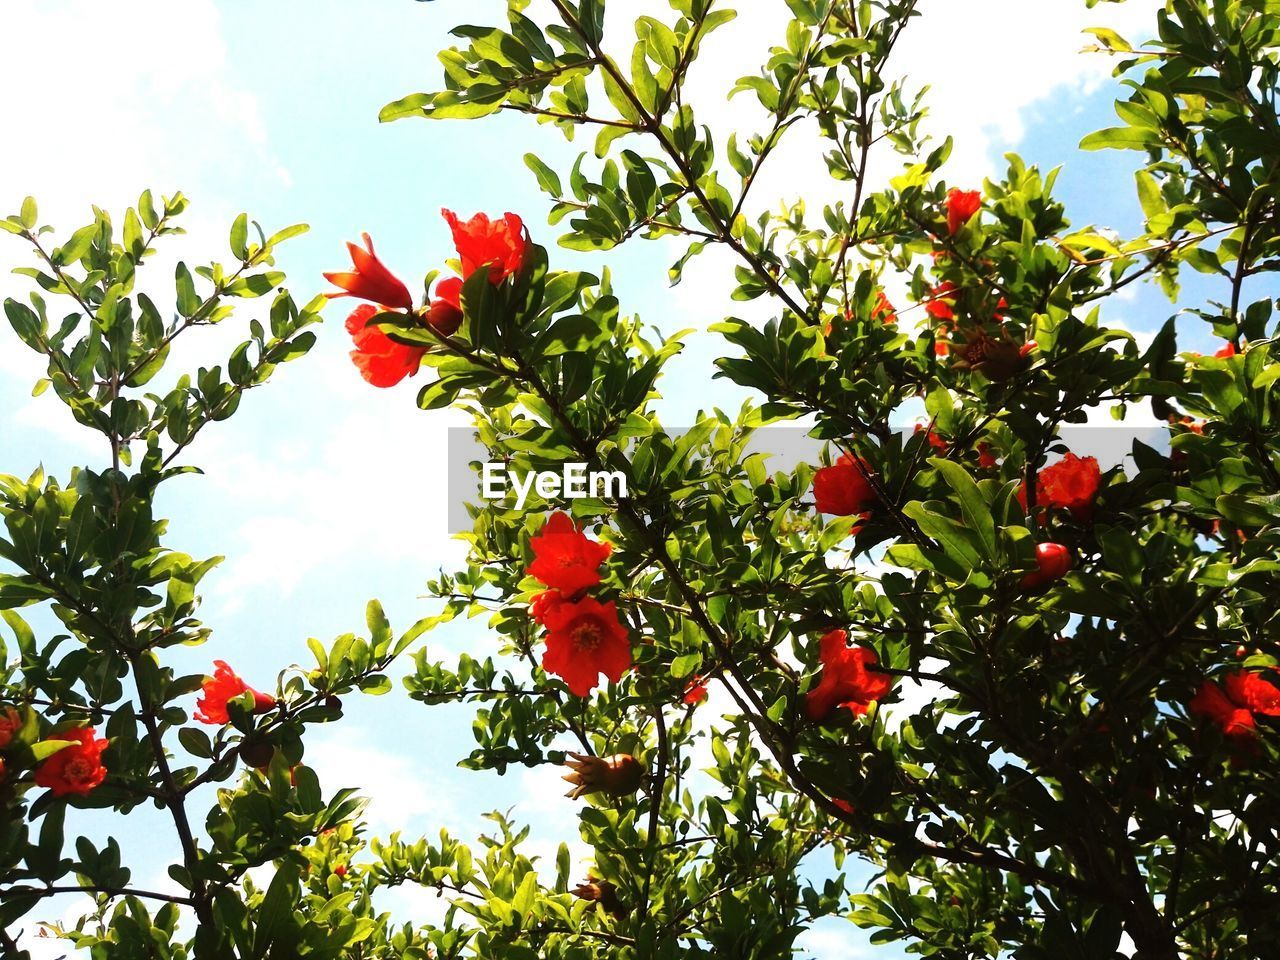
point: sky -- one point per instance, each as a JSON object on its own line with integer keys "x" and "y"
{"x": 323, "y": 492}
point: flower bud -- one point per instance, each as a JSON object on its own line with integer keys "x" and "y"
{"x": 1053, "y": 560}
{"x": 445, "y": 312}
{"x": 10, "y": 724}
{"x": 257, "y": 755}
{"x": 602, "y": 892}
{"x": 617, "y": 776}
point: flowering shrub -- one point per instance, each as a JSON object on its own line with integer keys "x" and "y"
{"x": 103, "y": 721}
{"x": 1082, "y": 766}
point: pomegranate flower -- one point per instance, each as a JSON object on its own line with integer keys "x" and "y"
{"x": 76, "y": 769}
{"x": 941, "y": 302}
{"x": 1233, "y": 704}
{"x": 1250, "y": 690}
{"x": 584, "y": 640}
{"x": 883, "y": 309}
{"x": 932, "y": 437}
{"x": 1071, "y": 483}
{"x": 842, "y": 489}
{"x": 695, "y": 692}
{"x": 370, "y": 280}
{"x": 10, "y": 724}
{"x": 499, "y": 245}
{"x": 845, "y": 682}
{"x": 225, "y": 685}
{"x": 543, "y": 604}
{"x": 565, "y": 558}
{"x": 961, "y": 206}
{"x": 381, "y": 361}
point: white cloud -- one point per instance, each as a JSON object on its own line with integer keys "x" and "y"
{"x": 991, "y": 63}
{"x": 374, "y": 487}
{"x": 403, "y": 796}
{"x": 555, "y": 817}
{"x": 835, "y": 939}
{"x": 988, "y": 64}
{"x": 110, "y": 100}
{"x": 125, "y": 97}
{"x": 47, "y": 413}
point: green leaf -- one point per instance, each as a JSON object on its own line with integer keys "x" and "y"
{"x": 1110, "y": 39}
{"x": 976, "y": 510}
{"x": 1249, "y": 511}
{"x": 275, "y": 915}
{"x": 240, "y": 237}
{"x": 1123, "y": 138}
{"x": 548, "y": 179}
{"x": 958, "y": 542}
{"x": 685, "y": 665}
{"x": 29, "y": 213}
{"x": 45, "y": 749}
{"x": 188, "y": 300}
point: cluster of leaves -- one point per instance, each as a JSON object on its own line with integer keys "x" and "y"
{"x": 1056, "y": 793}
{"x": 91, "y": 551}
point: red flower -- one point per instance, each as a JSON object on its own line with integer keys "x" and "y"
{"x": 941, "y": 302}
{"x": 987, "y": 460}
{"x": 543, "y": 604}
{"x": 931, "y": 437}
{"x": 961, "y": 206}
{"x": 1251, "y": 691}
{"x": 370, "y": 280}
{"x": 565, "y": 558}
{"x": 1071, "y": 483}
{"x": 224, "y": 685}
{"x": 10, "y": 724}
{"x": 695, "y": 692}
{"x": 75, "y": 769}
{"x": 845, "y": 681}
{"x": 842, "y": 489}
{"x": 1228, "y": 351}
{"x": 1053, "y": 560}
{"x": 445, "y": 312}
{"x": 382, "y": 361}
{"x": 584, "y": 640}
{"x": 883, "y": 309}
{"x": 844, "y": 805}
{"x": 1232, "y": 719}
{"x": 499, "y": 245}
